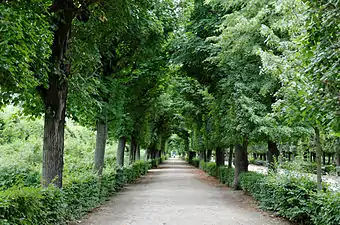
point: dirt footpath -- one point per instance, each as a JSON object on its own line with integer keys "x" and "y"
{"x": 177, "y": 193}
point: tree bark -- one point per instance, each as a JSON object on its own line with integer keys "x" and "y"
{"x": 55, "y": 96}
{"x": 133, "y": 149}
{"x": 203, "y": 155}
{"x": 100, "y": 146}
{"x": 186, "y": 145}
{"x": 138, "y": 152}
{"x": 324, "y": 158}
{"x": 338, "y": 163}
{"x": 209, "y": 153}
{"x": 53, "y": 145}
{"x": 230, "y": 158}
{"x": 241, "y": 162}
{"x": 191, "y": 156}
{"x": 318, "y": 150}
{"x": 120, "y": 151}
{"x": 273, "y": 154}
{"x": 163, "y": 142}
{"x": 255, "y": 155}
{"x": 338, "y": 157}
{"x": 219, "y": 157}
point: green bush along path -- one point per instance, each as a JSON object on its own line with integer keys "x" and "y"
{"x": 176, "y": 193}
{"x": 94, "y": 93}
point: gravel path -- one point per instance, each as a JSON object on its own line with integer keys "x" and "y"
{"x": 177, "y": 193}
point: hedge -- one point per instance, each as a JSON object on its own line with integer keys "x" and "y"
{"x": 289, "y": 195}
{"x": 36, "y": 205}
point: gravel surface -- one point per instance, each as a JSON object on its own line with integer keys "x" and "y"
{"x": 177, "y": 193}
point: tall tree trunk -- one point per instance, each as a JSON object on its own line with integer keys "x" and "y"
{"x": 273, "y": 154}
{"x": 241, "y": 162}
{"x": 318, "y": 151}
{"x": 163, "y": 142}
{"x": 323, "y": 158}
{"x": 209, "y": 153}
{"x": 55, "y": 96}
{"x": 53, "y": 145}
{"x": 203, "y": 155}
{"x": 100, "y": 146}
{"x": 255, "y": 155}
{"x": 133, "y": 149}
{"x": 219, "y": 157}
{"x": 191, "y": 156}
{"x": 148, "y": 154}
{"x": 230, "y": 158}
{"x": 120, "y": 151}
{"x": 338, "y": 156}
{"x": 186, "y": 145}
{"x": 138, "y": 152}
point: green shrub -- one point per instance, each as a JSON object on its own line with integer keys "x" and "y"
{"x": 202, "y": 165}
{"x": 15, "y": 176}
{"x": 196, "y": 162}
{"x": 251, "y": 181}
{"x": 293, "y": 197}
{"x": 155, "y": 162}
{"x": 211, "y": 169}
{"x": 35, "y": 205}
{"x": 289, "y": 195}
{"x": 326, "y": 208}
{"x": 226, "y": 175}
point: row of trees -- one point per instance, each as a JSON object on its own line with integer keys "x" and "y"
{"x": 219, "y": 74}
{"x": 259, "y": 72}
{"x": 101, "y": 63}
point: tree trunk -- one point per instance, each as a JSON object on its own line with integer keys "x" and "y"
{"x": 203, "y": 156}
{"x": 100, "y": 146}
{"x": 138, "y": 152}
{"x": 163, "y": 142}
{"x": 53, "y": 145}
{"x": 318, "y": 150}
{"x": 133, "y": 149}
{"x": 241, "y": 162}
{"x": 55, "y": 96}
{"x": 191, "y": 156}
{"x": 186, "y": 145}
{"x": 273, "y": 154}
{"x": 311, "y": 156}
{"x": 209, "y": 153}
{"x": 230, "y": 158}
{"x": 219, "y": 157}
{"x": 120, "y": 151}
{"x": 338, "y": 163}
{"x": 148, "y": 154}
{"x": 338, "y": 157}
{"x": 324, "y": 158}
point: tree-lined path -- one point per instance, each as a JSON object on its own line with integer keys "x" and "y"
{"x": 177, "y": 193}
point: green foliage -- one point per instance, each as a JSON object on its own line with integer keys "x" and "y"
{"x": 195, "y": 162}
{"x": 35, "y": 205}
{"x": 226, "y": 175}
{"x": 17, "y": 176}
{"x": 250, "y": 181}
{"x": 291, "y": 196}
{"x": 294, "y": 197}
{"x": 209, "y": 167}
{"x": 325, "y": 207}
